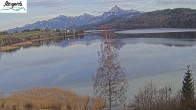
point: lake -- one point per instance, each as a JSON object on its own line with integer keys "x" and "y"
{"x": 72, "y": 62}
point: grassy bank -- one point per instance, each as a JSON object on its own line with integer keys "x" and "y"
{"x": 14, "y": 46}
{"x": 50, "y": 99}
{"x": 14, "y": 41}
{"x": 27, "y": 34}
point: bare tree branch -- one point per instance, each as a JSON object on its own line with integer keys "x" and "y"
{"x": 110, "y": 81}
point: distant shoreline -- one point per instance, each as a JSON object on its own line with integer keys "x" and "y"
{"x": 30, "y": 42}
{"x": 156, "y": 30}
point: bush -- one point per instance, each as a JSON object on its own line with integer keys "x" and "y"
{"x": 152, "y": 98}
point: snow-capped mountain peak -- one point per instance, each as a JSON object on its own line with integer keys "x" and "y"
{"x": 116, "y": 9}
{"x": 115, "y": 12}
{"x": 86, "y": 15}
{"x": 71, "y": 22}
{"x": 60, "y": 16}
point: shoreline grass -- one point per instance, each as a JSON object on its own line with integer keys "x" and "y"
{"x": 50, "y": 99}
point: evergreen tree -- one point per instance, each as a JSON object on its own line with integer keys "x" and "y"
{"x": 187, "y": 91}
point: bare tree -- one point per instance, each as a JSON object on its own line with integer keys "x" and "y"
{"x": 151, "y": 98}
{"x": 110, "y": 81}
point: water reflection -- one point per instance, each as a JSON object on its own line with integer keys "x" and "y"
{"x": 178, "y": 35}
{"x": 110, "y": 81}
{"x": 50, "y": 42}
{"x": 56, "y": 42}
{"x": 11, "y": 51}
{"x": 167, "y": 39}
{"x": 68, "y": 62}
{"x": 160, "y": 41}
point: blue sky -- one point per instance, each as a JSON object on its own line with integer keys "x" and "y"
{"x": 46, "y": 9}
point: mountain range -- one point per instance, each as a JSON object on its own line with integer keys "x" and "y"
{"x": 118, "y": 18}
{"x": 69, "y": 22}
{"x": 167, "y": 18}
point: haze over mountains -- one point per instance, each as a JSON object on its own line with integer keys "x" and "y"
{"x": 69, "y": 22}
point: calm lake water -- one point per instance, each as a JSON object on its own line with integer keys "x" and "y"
{"x": 72, "y": 63}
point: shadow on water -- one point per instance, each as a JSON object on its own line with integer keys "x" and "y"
{"x": 166, "y": 39}
{"x": 179, "y": 35}
{"x": 110, "y": 82}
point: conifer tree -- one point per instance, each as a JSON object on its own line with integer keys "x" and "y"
{"x": 187, "y": 91}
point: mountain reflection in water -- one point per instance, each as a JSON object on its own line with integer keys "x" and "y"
{"x": 72, "y": 61}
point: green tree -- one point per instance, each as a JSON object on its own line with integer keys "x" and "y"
{"x": 187, "y": 91}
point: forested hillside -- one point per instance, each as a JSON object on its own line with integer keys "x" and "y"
{"x": 168, "y": 18}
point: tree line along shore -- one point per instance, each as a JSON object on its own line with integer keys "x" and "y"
{"x": 12, "y": 41}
